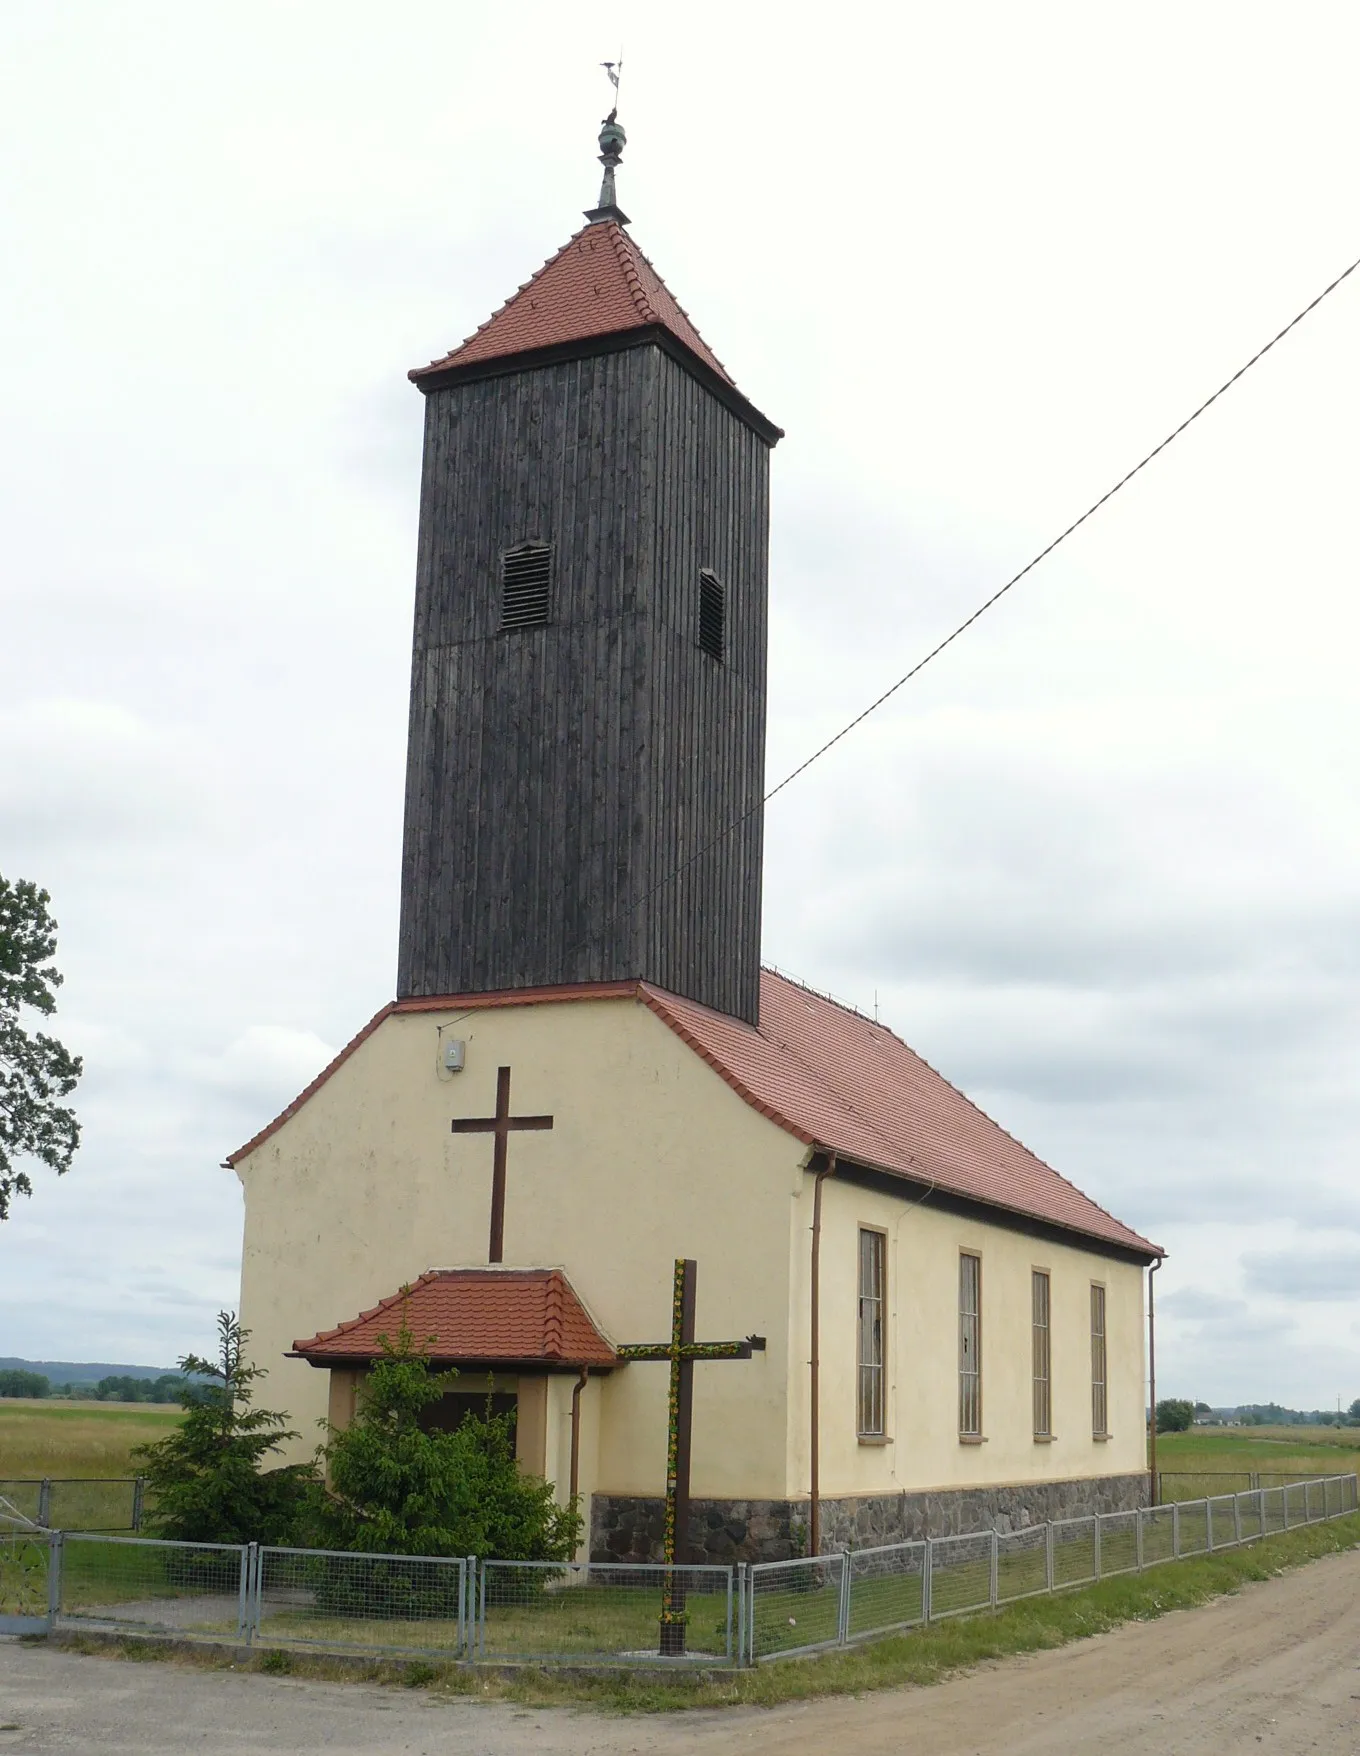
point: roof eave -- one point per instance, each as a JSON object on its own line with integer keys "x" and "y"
{"x": 1134, "y": 1245}
{"x": 441, "y": 373}
{"x": 461, "y": 1362}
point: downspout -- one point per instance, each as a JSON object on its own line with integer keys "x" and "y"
{"x": 815, "y": 1363}
{"x": 1152, "y": 1383}
{"x": 577, "y": 1388}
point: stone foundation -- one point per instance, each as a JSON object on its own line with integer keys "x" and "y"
{"x": 624, "y": 1527}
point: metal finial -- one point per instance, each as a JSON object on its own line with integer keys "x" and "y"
{"x": 612, "y": 142}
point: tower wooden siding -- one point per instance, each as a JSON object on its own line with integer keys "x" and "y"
{"x": 558, "y": 773}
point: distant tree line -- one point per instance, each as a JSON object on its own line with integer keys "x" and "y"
{"x": 1176, "y": 1415}
{"x": 169, "y": 1387}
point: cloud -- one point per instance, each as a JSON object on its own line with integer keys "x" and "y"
{"x": 1326, "y": 1272}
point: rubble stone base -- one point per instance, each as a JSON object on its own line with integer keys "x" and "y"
{"x": 626, "y": 1527}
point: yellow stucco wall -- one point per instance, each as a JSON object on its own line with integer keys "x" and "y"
{"x": 921, "y": 1400}
{"x": 651, "y": 1156}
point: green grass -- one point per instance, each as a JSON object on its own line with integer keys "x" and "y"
{"x": 924, "y": 1656}
{"x": 1292, "y": 1450}
{"x": 77, "y": 1439}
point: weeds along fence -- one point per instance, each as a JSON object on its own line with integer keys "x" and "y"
{"x": 114, "y": 1503}
{"x": 603, "y": 1613}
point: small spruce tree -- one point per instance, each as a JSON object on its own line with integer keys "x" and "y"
{"x": 205, "y": 1480}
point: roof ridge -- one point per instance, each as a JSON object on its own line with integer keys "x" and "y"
{"x": 623, "y": 252}
{"x": 1015, "y": 1139}
{"x": 505, "y": 304}
{"x": 554, "y": 1315}
{"x": 662, "y": 281}
{"x": 402, "y": 1292}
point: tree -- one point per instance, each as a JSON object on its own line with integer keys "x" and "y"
{"x": 16, "y": 1383}
{"x": 395, "y": 1488}
{"x": 35, "y": 1070}
{"x": 205, "y": 1478}
{"x": 1353, "y": 1414}
{"x": 1175, "y": 1416}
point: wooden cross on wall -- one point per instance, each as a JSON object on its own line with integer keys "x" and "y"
{"x": 502, "y": 1124}
{"x": 682, "y": 1351}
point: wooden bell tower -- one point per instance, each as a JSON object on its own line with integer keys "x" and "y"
{"x": 588, "y": 674}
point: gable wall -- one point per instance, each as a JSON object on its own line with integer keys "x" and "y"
{"x": 651, "y": 1156}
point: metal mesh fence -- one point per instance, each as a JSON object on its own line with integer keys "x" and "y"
{"x": 25, "y": 1558}
{"x": 367, "y": 1603}
{"x": 1159, "y": 1534}
{"x": 1022, "y": 1563}
{"x": 1220, "y": 1520}
{"x": 960, "y": 1574}
{"x": 1074, "y": 1551}
{"x": 548, "y": 1612}
{"x": 193, "y": 1590}
{"x": 1120, "y": 1544}
{"x": 794, "y": 1606}
{"x": 886, "y": 1589}
{"x": 609, "y": 1613}
{"x": 112, "y": 1503}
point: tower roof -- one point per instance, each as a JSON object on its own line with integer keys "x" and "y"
{"x": 598, "y": 284}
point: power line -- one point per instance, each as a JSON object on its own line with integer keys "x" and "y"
{"x": 1043, "y": 554}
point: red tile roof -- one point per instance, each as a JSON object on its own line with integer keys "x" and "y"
{"x": 598, "y": 284}
{"x": 841, "y": 1082}
{"x": 836, "y": 1081}
{"x": 493, "y": 1316}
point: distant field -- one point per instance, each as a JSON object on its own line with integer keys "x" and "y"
{"x": 77, "y": 1439}
{"x": 1292, "y": 1450}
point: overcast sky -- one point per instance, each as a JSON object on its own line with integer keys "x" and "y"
{"x": 1098, "y": 864}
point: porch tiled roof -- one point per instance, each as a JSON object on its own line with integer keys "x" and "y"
{"x": 519, "y": 1316}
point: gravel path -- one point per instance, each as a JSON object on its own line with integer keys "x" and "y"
{"x": 1275, "y": 1669}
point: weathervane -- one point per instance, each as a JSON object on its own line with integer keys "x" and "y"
{"x": 612, "y": 142}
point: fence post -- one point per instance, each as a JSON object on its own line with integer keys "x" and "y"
{"x": 250, "y": 1585}
{"x": 993, "y": 1591}
{"x": 1237, "y": 1519}
{"x": 138, "y": 1501}
{"x": 1175, "y": 1530}
{"x": 741, "y": 1612}
{"x": 927, "y": 1577}
{"x": 1208, "y": 1525}
{"x": 1095, "y": 1545}
{"x": 1138, "y": 1537}
{"x": 55, "y": 1545}
{"x": 843, "y": 1603}
{"x": 1284, "y": 1504}
{"x": 45, "y": 1503}
{"x": 1048, "y": 1556}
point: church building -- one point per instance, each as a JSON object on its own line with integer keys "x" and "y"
{"x": 585, "y": 1073}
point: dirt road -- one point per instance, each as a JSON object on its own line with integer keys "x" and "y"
{"x": 1275, "y": 1669}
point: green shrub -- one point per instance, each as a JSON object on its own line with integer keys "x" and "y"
{"x": 394, "y": 1488}
{"x": 1175, "y": 1415}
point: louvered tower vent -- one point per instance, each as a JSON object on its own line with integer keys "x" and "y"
{"x": 526, "y": 585}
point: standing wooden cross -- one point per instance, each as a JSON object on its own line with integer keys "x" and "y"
{"x": 501, "y": 1125}
{"x": 682, "y": 1351}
